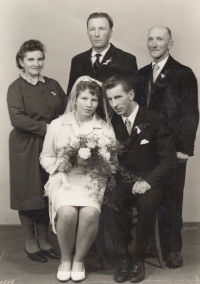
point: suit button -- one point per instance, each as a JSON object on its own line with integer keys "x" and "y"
{"x": 50, "y": 108}
{"x": 46, "y": 99}
{"x": 150, "y": 106}
{"x": 42, "y": 91}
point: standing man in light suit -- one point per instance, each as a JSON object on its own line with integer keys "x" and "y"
{"x": 170, "y": 88}
{"x": 103, "y": 59}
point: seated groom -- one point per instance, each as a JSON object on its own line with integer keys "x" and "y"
{"x": 103, "y": 59}
{"x": 150, "y": 154}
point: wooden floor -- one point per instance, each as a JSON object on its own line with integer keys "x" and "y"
{"x": 17, "y": 268}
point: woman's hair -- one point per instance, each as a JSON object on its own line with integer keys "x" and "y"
{"x": 30, "y": 45}
{"x": 94, "y": 89}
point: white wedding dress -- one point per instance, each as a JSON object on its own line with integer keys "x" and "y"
{"x": 71, "y": 188}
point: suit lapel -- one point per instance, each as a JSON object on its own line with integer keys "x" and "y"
{"x": 140, "y": 118}
{"x": 87, "y": 64}
{"x": 166, "y": 71}
{"x": 107, "y": 60}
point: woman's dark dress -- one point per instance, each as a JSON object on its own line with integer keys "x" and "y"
{"x": 31, "y": 108}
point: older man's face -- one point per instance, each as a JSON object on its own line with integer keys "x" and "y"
{"x": 99, "y": 33}
{"x": 159, "y": 43}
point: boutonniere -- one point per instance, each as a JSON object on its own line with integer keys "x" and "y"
{"x": 163, "y": 75}
{"x": 140, "y": 127}
{"x": 53, "y": 93}
{"x": 107, "y": 61}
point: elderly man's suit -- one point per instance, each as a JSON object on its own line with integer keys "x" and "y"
{"x": 174, "y": 96}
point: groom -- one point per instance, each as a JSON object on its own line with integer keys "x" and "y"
{"x": 150, "y": 154}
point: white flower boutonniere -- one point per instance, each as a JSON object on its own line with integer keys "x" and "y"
{"x": 137, "y": 129}
{"x": 141, "y": 127}
{"x": 107, "y": 61}
{"x": 162, "y": 75}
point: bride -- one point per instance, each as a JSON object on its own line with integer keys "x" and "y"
{"x": 72, "y": 206}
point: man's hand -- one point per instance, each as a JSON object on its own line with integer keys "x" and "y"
{"x": 182, "y": 157}
{"x": 140, "y": 187}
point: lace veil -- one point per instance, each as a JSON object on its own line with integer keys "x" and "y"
{"x": 72, "y": 97}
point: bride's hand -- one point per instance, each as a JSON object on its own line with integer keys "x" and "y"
{"x": 140, "y": 187}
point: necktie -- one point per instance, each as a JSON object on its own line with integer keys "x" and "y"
{"x": 155, "y": 71}
{"x": 96, "y": 63}
{"x": 128, "y": 126}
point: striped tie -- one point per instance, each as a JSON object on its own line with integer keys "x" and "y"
{"x": 96, "y": 63}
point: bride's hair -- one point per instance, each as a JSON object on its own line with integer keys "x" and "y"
{"x": 86, "y": 83}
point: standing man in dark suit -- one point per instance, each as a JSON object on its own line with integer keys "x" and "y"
{"x": 170, "y": 88}
{"x": 150, "y": 154}
{"x": 103, "y": 59}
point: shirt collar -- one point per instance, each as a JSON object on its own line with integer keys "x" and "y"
{"x": 132, "y": 116}
{"x": 161, "y": 64}
{"x": 32, "y": 81}
{"x": 102, "y": 53}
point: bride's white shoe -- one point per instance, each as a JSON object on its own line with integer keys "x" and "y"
{"x": 78, "y": 276}
{"x": 63, "y": 275}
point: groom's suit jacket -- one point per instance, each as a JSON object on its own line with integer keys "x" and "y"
{"x": 150, "y": 153}
{"x": 173, "y": 95}
{"x": 115, "y": 62}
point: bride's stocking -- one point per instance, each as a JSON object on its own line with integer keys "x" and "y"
{"x": 87, "y": 230}
{"x": 66, "y": 232}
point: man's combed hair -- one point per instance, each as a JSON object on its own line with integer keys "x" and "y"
{"x": 101, "y": 15}
{"x": 116, "y": 80}
{"x": 30, "y": 45}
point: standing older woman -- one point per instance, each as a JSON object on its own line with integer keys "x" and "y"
{"x": 33, "y": 102}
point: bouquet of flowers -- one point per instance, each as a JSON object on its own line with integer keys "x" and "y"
{"x": 91, "y": 153}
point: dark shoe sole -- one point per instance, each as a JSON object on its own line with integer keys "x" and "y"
{"x": 172, "y": 265}
{"x": 121, "y": 281}
{"x": 137, "y": 280}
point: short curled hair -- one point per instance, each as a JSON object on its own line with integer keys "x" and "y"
{"x": 30, "y": 45}
{"x": 94, "y": 89}
{"x": 116, "y": 80}
{"x": 101, "y": 15}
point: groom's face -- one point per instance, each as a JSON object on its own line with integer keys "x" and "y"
{"x": 99, "y": 33}
{"x": 120, "y": 101}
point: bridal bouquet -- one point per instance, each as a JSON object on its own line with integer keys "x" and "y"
{"x": 91, "y": 153}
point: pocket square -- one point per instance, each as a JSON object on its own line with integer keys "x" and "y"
{"x": 144, "y": 141}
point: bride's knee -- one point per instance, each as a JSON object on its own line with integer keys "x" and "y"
{"x": 90, "y": 215}
{"x": 67, "y": 214}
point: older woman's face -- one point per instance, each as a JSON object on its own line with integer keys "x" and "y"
{"x": 33, "y": 63}
{"x": 86, "y": 104}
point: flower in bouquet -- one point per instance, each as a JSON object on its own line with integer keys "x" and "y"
{"x": 104, "y": 153}
{"x": 84, "y": 153}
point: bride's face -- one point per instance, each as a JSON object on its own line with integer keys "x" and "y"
{"x": 86, "y": 104}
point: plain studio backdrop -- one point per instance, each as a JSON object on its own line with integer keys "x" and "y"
{"x": 61, "y": 26}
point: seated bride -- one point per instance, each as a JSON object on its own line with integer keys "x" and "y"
{"x": 78, "y": 155}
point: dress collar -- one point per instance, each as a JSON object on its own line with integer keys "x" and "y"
{"x": 32, "y": 81}
{"x": 69, "y": 118}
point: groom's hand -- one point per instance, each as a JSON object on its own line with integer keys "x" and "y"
{"x": 140, "y": 187}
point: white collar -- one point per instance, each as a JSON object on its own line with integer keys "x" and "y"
{"x": 69, "y": 118}
{"x": 102, "y": 53}
{"x": 132, "y": 116}
{"x": 32, "y": 81}
{"x": 161, "y": 64}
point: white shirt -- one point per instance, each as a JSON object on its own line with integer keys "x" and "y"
{"x": 132, "y": 116}
{"x": 161, "y": 64}
{"x": 103, "y": 53}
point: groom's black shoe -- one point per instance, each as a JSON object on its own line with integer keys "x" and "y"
{"x": 174, "y": 259}
{"x": 122, "y": 272}
{"x": 137, "y": 272}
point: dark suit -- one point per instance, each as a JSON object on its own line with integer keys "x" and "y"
{"x": 153, "y": 162}
{"x": 120, "y": 63}
{"x": 174, "y": 96}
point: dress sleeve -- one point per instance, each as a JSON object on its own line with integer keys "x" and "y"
{"x": 18, "y": 115}
{"x": 48, "y": 157}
